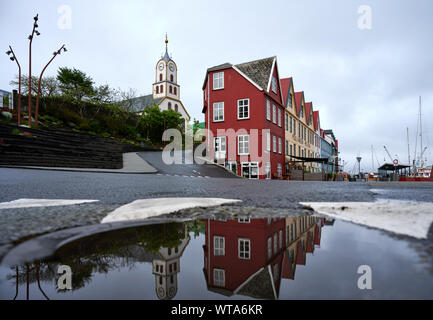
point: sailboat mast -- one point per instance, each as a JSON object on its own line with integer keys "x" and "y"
{"x": 420, "y": 134}
{"x": 408, "y": 146}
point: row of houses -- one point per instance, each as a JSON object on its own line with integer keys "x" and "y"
{"x": 243, "y": 256}
{"x": 260, "y": 127}
{"x": 250, "y": 257}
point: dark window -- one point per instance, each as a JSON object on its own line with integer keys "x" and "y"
{"x": 157, "y": 89}
{"x": 160, "y": 77}
{"x": 170, "y": 89}
{"x": 171, "y": 78}
{"x": 169, "y": 106}
{"x": 161, "y": 88}
{"x": 175, "y": 90}
{"x": 176, "y": 108}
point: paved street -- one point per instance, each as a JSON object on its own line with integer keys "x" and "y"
{"x": 260, "y": 199}
{"x": 115, "y": 190}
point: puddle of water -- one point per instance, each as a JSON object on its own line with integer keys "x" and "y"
{"x": 280, "y": 258}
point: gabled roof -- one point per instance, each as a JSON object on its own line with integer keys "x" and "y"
{"x": 286, "y": 85}
{"x": 141, "y": 103}
{"x": 316, "y": 120}
{"x": 258, "y": 71}
{"x": 298, "y": 99}
{"x": 317, "y": 235}
{"x": 308, "y": 109}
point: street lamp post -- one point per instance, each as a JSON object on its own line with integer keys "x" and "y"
{"x": 35, "y": 25}
{"x": 14, "y": 58}
{"x": 40, "y": 79}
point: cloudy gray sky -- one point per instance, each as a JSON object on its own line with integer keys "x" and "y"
{"x": 365, "y": 83}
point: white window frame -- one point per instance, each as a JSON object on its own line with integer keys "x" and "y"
{"x": 279, "y": 170}
{"x": 287, "y": 148}
{"x": 275, "y": 243}
{"x": 250, "y": 165}
{"x": 218, "y": 250}
{"x": 244, "y": 220}
{"x": 274, "y": 144}
{"x": 219, "y": 277}
{"x": 274, "y": 84}
{"x": 274, "y": 114}
{"x": 279, "y": 146}
{"x": 243, "y": 145}
{"x": 243, "y": 106}
{"x": 268, "y": 141}
{"x": 218, "y": 80}
{"x": 279, "y": 117}
{"x": 245, "y": 255}
{"x": 217, "y": 108}
{"x": 220, "y": 147}
{"x": 268, "y": 170}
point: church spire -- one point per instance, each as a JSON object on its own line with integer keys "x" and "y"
{"x": 166, "y": 56}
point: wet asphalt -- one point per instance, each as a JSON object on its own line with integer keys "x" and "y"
{"x": 113, "y": 190}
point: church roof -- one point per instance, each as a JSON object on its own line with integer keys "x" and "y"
{"x": 141, "y": 103}
{"x": 166, "y": 57}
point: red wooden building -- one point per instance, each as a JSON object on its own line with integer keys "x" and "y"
{"x": 244, "y": 112}
{"x": 244, "y": 256}
{"x": 250, "y": 257}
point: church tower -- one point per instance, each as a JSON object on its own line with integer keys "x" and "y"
{"x": 166, "y": 85}
{"x": 165, "y": 90}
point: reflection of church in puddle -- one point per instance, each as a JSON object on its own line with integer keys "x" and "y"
{"x": 250, "y": 257}
{"x": 166, "y": 266}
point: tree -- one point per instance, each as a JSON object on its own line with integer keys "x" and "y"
{"x": 75, "y": 84}
{"x": 126, "y": 99}
{"x": 104, "y": 94}
{"x": 49, "y": 85}
{"x": 154, "y": 121}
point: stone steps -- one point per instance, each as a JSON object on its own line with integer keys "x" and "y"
{"x": 60, "y": 148}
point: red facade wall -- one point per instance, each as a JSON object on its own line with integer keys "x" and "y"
{"x": 238, "y": 270}
{"x": 238, "y": 87}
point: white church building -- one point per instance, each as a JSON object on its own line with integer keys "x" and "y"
{"x": 165, "y": 89}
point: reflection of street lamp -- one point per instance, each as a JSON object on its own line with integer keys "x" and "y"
{"x": 14, "y": 58}
{"x": 40, "y": 79}
{"x": 35, "y": 25}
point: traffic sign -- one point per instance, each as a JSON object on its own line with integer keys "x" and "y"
{"x": 395, "y": 162}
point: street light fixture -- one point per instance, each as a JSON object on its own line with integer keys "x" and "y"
{"x": 35, "y": 25}
{"x": 40, "y": 79}
{"x": 14, "y": 58}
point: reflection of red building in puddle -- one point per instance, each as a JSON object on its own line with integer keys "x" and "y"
{"x": 249, "y": 257}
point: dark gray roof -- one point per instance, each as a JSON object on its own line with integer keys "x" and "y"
{"x": 141, "y": 103}
{"x": 259, "y": 287}
{"x": 259, "y": 70}
{"x": 166, "y": 57}
{"x": 220, "y": 67}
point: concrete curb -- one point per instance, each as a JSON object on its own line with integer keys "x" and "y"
{"x": 132, "y": 164}
{"x": 208, "y": 161}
